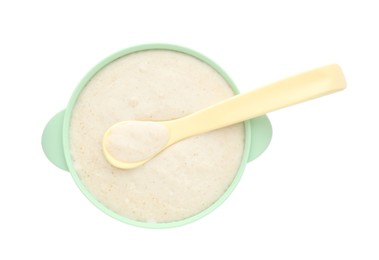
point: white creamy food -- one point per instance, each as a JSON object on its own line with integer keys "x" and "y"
{"x": 134, "y": 141}
{"x": 182, "y": 180}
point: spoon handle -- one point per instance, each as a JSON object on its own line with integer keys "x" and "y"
{"x": 287, "y": 92}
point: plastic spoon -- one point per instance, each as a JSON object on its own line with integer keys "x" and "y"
{"x": 129, "y": 144}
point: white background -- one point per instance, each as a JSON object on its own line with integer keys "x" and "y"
{"x": 314, "y": 194}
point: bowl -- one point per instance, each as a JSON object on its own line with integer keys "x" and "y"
{"x": 55, "y": 137}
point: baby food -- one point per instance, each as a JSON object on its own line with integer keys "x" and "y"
{"x": 154, "y": 85}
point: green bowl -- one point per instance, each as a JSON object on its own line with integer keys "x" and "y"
{"x": 55, "y": 138}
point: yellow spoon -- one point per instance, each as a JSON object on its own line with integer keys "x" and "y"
{"x": 129, "y": 144}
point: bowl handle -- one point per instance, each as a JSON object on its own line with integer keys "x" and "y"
{"x": 261, "y": 133}
{"x": 52, "y": 141}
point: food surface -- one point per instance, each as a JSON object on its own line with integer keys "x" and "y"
{"x": 182, "y": 180}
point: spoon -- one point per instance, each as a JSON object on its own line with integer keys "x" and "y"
{"x": 129, "y": 144}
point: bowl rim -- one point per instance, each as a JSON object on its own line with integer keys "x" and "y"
{"x": 66, "y": 145}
